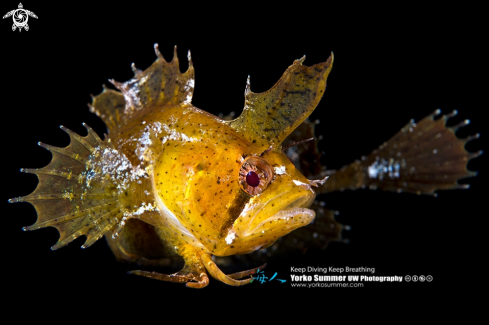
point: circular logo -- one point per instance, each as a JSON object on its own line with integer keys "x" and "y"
{"x": 20, "y": 18}
{"x": 415, "y": 278}
{"x": 422, "y": 278}
{"x": 407, "y": 278}
{"x": 429, "y": 278}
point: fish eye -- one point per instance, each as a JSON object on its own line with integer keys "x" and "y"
{"x": 254, "y": 175}
{"x": 252, "y": 179}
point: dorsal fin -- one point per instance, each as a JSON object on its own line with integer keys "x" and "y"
{"x": 161, "y": 84}
{"x": 269, "y": 117}
{"x": 109, "y": 106}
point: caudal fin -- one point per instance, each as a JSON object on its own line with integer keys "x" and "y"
{"x": 421, "y": 158}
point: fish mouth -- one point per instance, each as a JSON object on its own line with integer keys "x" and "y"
{"x": 297, "y": 210}
{"x": 305, "y": 216}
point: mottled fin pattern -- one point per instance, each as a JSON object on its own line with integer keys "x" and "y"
{"x": 269, "y": 117}
{"x": 162, "y": 84}
{"x": 69, "y": 196}
{"x": 421, "y": 158}
{"x": 109, "y": 105}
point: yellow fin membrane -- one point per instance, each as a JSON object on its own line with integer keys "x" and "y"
{"x": 73, "y": 195}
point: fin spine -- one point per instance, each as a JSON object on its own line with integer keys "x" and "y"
{"x": 67, "y": 217}
{"x": 62, "y": 152}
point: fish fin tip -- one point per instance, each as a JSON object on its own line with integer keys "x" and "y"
{"x": 67, "y": 199}
{"x": 291, "y": 100}
{"x": 157, "y": 51}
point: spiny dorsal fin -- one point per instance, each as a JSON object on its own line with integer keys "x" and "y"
{"x": 161, "y": 84}
{"x": 109, "y": 105}
{"x": 269, "y": 117}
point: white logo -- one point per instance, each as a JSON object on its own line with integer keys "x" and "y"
{"x": 20, "y": 17}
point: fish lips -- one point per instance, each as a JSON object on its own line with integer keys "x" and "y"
{"x": 274, "y": 219}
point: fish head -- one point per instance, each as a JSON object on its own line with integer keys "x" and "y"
{"x": 276, "y": 200}
{"x": 232, "y": 188}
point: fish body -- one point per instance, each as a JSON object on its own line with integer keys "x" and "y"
{"x": 192, "y": 161}
{"x": 172, "y": 180}
{"x": 205, "y": 186}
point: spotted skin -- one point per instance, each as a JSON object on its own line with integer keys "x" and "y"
{"x": 172, "y": 173}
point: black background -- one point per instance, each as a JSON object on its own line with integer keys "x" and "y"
{"x": 391, "y": 64}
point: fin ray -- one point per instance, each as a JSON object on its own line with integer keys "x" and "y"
{"x": 73, "y": 195}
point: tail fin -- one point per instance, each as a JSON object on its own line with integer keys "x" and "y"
{"x": 421, "y": 158}
{"x": 72, "y": 194}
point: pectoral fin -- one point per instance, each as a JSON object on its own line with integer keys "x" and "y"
{"x": 73, "y": 194}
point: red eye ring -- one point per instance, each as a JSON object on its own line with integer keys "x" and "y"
{"x": 254, "y": 175}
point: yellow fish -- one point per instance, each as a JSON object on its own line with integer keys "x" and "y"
{"x": 172, "y": 180}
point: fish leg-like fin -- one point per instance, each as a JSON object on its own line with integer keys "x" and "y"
{"x": 75, "y": 193}
{"x": 193, "y": 272}
{"x": 219, "y": 275}
{"x": 192, "y": 281}
{"x": 269, "y": 117}
{"x": 242, "y": 274}
{"x": 162, "y": 84}
{"x": 421, "y": 158}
